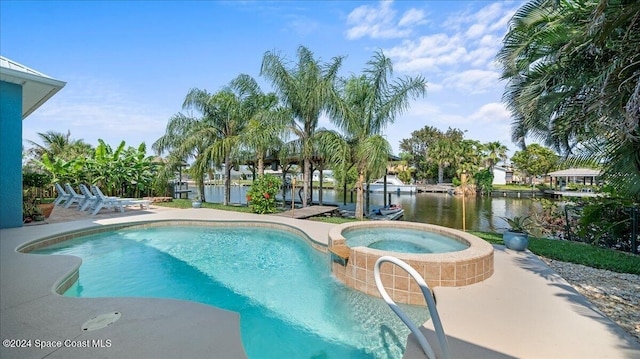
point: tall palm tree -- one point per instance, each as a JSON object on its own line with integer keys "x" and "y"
{"x": 184, "y": 140}
{"x": 469, "y": 156}
{"x": 442, "y": 154}
{"x": 363, "y": 107}
{"x": 227, "y": 113}
{"x": 266, "y": 130}
{"x": 494, "y": 152}
{"x": 305, "y": 90}
{"x": 215, "y": 136}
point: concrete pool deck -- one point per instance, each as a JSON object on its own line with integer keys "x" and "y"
{"x": 525, "y": 310}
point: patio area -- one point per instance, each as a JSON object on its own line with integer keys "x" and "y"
{"x": 525, "y": 310}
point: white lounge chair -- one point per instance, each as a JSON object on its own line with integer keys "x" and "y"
{"x": 103, "y": 201}
{"x": 115, "y": 202}
{"x": 89, "y": 198}
{"x": 62, "y": 194}
{"x": 74, "y": 196}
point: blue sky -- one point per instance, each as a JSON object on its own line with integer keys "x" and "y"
{"x": 129, "y": 65}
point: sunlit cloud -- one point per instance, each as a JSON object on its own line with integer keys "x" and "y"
{"x": 92, "y": 110}
{"x": 379, "y": 22}
{"x": 469, "y": 39}
{"x": 492, "y": 113}
{"x": 428, "y": 53}
{"x": 412, "y": 17}
{"x": 473, "y": 81}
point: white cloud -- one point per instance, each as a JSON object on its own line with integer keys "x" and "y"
{"x": 493, "y": 112}
{"x": 94, "y": 109}
{"x": 411, "y": 17}
{"x": 434, "y": 87}
{"x": 495, "y": 121}
{"x": 482, "y": 57}
{"x": 475, "y": 31}
{"x": 469, "y": 40}
{"x": 379, "y": 22}
{"x": 473, "y": 81}
{"x": 428, "y": 53}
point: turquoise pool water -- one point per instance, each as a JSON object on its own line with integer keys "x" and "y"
{"x": 289, "y": 303}
{"x": 404, "y": 240}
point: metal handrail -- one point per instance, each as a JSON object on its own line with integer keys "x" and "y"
{"x": 431, "y": 305}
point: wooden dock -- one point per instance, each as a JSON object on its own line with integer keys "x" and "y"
{"x": 432, "y": 188}
{"x": 311, "y": 211}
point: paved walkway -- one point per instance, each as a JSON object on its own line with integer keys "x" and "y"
{"x": 525, "y": 310}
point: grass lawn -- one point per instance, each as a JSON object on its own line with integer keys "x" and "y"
{"x": 186, "y": 203}
{"x": 566, "y": 251}
{"x": 576, "y": 252}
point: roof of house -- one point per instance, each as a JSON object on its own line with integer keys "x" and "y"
{"x": 37, "y": 87}
{"x": 501, "y": 168}
{"x": 578, "y": 172}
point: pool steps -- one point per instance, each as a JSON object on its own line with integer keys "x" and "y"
{"x": 431, "y": 305}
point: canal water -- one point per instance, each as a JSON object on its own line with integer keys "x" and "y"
{"x": 482, "y": 213}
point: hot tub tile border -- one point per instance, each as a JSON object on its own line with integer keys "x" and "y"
{"x": 454, "y": 269}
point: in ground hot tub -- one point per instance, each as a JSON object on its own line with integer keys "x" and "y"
{"x": 443, "y": 256}
{"x": 402, "y": 240}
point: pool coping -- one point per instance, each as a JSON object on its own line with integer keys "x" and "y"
{"x": 482, "y": 320}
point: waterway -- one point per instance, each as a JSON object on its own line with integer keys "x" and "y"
{"x": 481, "y": 213}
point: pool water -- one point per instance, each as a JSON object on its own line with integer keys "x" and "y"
{"x": 289, "y": 303}
{"x": 403, "y": 240}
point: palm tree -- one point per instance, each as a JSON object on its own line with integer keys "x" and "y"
{"x": 184, "y": 138}
{"x": 223, "y": 126}
{"x": 362, "y": 108}
{"x": 469, "y": 156}
{"x": 57, "y": 144}
{"x": 305, "y": 90}
{"x": 215, "y": 136}
{"x": 494, "y": 152}
{"x": 266, "y": 130}
{"x": 441, "y": 153}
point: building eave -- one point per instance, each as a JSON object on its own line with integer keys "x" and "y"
{"x": 37, "y": 88}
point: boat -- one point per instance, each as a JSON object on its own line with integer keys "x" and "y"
{"x": 375, "y": 214}
{"x": 390, "y": 209}
{"x": 394, "y": 184}
{"x": 387, "y": 217}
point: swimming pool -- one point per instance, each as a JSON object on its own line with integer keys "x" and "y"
{"x": 402, "y": 240}
{"x": 289, "y": 303}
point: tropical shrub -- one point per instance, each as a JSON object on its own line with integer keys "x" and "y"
{"x": 262, "y": 194}
{"x": 606, "y": 222}
{"x": 550, "y": 220}
{"x": 36, "y": 181}
{"x": 484, "y": 181}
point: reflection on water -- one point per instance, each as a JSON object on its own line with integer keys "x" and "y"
{"x": 482, "y": 213}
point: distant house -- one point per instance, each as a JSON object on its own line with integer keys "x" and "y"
{"x": 327, "y": 176}
{"x": 502, "y": 175}
{"x": 22, "y": 91}
{"x": 584, "y": 176}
